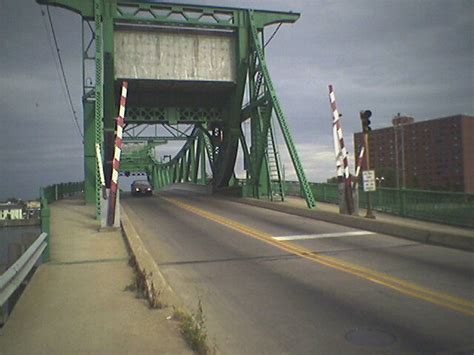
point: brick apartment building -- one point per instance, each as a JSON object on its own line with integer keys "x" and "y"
{"x": 436, "y": 154}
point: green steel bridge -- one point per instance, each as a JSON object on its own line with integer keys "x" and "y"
{"x": 199, "y": 66}
{"x": 271, "y": 278}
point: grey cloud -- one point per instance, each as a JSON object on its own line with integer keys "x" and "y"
{"x": 413, "y": 57}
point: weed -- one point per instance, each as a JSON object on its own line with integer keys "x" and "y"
{"x": 130, "y": 287}
{"x": 193, "y": 329}
{"x": 142, "y": 285}
{"x": 132, "y": 262}
{"x": 154, "y": 297}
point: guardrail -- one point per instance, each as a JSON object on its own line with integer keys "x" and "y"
{"x": 58, "y": 191}
{"x": 14, "y": 276}
{"x": 52, "y": 193}
{"x": 454, "y": 208}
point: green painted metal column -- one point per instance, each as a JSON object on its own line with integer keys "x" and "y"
{"x": 90, "y": 165}
{"x": 310, "y": 201}
{"x": 195, "y": 160}
{"x": 202, "y": 160}
{"x": 110, "y": 108}
{"x": 99, "y": 102}
{"x": 46, "y": 226}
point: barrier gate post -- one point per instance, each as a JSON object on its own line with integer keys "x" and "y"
{"x": 117, "y": 153}
{"x": 341, "y": 155}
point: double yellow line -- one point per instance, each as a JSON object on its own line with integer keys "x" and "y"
{"x": 457, "y": 304}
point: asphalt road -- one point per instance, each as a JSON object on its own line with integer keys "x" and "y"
{"x": 272, "y": 283}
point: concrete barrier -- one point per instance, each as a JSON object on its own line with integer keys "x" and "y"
{"x": 20, "y": 222}
{"x": 422, "y": 235}
{"x": 147, "y": 266}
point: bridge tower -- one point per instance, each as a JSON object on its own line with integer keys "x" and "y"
{"x": 185, "y": 64}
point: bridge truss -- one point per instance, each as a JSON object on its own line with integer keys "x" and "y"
{"x": 215, "y": 114}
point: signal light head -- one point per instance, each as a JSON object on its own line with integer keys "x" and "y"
{"x": 365, "y": 118}
{"x": 365, "y": 114}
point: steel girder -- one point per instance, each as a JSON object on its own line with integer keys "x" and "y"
{"x": 137, "y": 161}
{"x": 161, "y": 115}
{"x": 263, "y": 91}
{"x": 149, "y": 12}
{"x": 218, "y": 130}
{"x": 188, "y": 165}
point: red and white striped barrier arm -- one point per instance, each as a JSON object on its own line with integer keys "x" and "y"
{"x": 117, "y": 154}
{"x": 341, "y": 152}
{"x": 358, "y": 166}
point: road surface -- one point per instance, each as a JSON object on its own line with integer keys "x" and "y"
{"x": 272, "y": 283}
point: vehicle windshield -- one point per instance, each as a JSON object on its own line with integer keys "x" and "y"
{"x": 141, "y": 182}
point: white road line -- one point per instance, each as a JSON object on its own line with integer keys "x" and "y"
{"x": 324, "y": 235}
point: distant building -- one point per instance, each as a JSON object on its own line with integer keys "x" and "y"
{"x": 33, "y": 209}
{"x": 435, "y": 154}
{"x": 11, "y": 211}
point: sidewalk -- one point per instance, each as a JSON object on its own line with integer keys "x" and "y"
{"x": 77, "y": 304}
{"x": 385, "y": 217}
{"x": 424, "y": 232}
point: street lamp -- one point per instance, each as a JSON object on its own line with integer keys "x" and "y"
{"x": 379, "y": 180}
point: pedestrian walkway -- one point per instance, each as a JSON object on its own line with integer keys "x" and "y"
{"x": 77, "y": 303}
{"x": 420, "y": 231}
{"x": 385, "y": 217}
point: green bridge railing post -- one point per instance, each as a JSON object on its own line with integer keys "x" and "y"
{"x": 49, "y": 194}
{"x": 45, "y": 224}
{"x": 402, "y": 201}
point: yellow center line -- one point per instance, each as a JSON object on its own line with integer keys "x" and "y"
{"x": 460, "y": 305}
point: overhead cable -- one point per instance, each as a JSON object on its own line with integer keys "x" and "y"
{"x": 273, "y": 35}
{"x": 68, "y": 93}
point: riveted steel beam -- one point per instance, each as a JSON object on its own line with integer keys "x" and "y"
{"x": 214, "y": 108}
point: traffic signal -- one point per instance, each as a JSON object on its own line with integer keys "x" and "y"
{"x": 365, "y": 118}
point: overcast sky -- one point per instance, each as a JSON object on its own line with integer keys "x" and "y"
{"x": 412, "y": 57}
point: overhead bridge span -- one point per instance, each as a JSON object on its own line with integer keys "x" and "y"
{"x": 198, "y": 66}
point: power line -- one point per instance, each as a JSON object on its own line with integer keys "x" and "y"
{"x": 75, "y": 119}
{"x": 273, "y": 35}
{"x": 53, "y": 55}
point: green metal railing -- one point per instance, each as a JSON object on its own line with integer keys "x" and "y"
{"x": 50, "y": 194}
{"x": 454, "y": 208}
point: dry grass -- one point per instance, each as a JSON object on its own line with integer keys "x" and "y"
{"x": 143, "y": 286}
{"x": 193, "y": 329}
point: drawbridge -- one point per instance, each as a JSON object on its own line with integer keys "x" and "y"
{"x": 198, "y": 67}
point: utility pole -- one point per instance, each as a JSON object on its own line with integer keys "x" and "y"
{"x": 403, "y": 157}
{"x": 397, "y": 159}
{"x": 365, "y": 120}
{"x": 399, "y": 122}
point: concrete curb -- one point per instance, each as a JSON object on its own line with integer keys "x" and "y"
{"x": 146, "y": 264}
{"x": 153, "y": 275}
{"x": 422, "y": 235}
